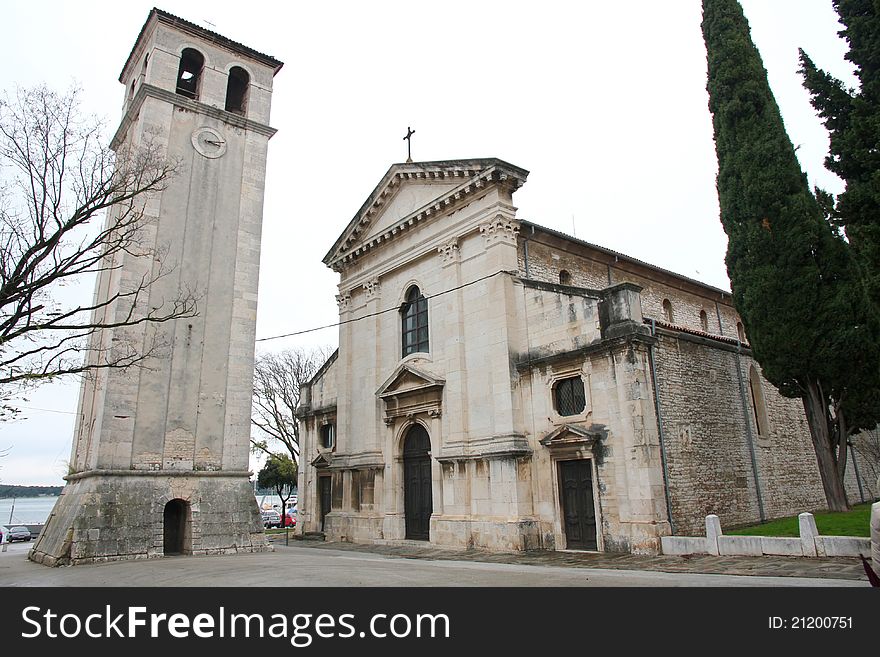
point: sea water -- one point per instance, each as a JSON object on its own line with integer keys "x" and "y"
{"x": 34, "y": 510}
{"x": 27, "y": 510}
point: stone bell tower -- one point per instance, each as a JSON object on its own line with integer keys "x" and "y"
{"x": 159, "y": 463}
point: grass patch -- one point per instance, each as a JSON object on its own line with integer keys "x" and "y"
{"x": 278, "y": 531}
{"x": 852, "y": 523}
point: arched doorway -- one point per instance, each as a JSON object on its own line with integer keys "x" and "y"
{"x": 417, "y": 501}
{"x": 176, "y": 528}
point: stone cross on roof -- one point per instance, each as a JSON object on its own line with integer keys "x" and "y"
{"x": 409, "y": 133}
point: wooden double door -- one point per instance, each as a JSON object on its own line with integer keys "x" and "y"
{"x": 417, "y": 501}
{"x": 578, "y": 510}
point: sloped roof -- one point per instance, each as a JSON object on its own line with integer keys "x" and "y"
{"x": 208, "y": 35}
{"x": 473, "y": 175}
{"x": 621, "y": 256}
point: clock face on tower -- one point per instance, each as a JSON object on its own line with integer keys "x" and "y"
{"x": 208, "y": 142}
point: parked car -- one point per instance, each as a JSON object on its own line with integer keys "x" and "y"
{"x": 290, "y": 519}
{"x": 271, "y": 518}
{"x": 19, "y": 534}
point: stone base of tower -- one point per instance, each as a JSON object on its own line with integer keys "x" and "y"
{"x": 119, "y": 515}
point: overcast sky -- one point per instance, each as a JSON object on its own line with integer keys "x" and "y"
{"x": 604, "y": 103}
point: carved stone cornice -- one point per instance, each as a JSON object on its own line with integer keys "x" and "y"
{"x": 150, "y": 91}
{"x": 358, "y": 461}
{"x": 500, "y": 230}
{"x": 501, "y": 446}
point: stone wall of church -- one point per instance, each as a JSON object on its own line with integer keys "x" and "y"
{"x": 541, "y": 261}
{"x": 704, "y": 422}
{"x": 320, "y": 400}
{"x": 323, "y": 390}
{"x": 704, "y": 427}
{"x": 542, "y": 257}
{"x": 558, "y": 319}
{"x": 628, "y": 484}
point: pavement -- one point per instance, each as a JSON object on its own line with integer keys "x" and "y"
{"x": 411, "y": 563}
{"x": 846, "y": 568}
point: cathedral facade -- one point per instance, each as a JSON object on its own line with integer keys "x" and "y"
{"x": 504, "y": 386}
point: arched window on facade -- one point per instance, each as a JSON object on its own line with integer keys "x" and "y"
{"x": 564, "y": 277}
{"x": 237, "y": 90}
{"x": 704, "y": 321}
{"x": 740, "y": 332}
{"x": 667, "y": 311}
{"x": 759, "y": 408}
{"x": 414, "y": 318}
{"x": 189, "y": 75}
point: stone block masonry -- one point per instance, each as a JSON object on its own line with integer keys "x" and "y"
{"x": 115, "y": 516}
{"x": 160, "y": 453}
{"x": 707, "y": 439}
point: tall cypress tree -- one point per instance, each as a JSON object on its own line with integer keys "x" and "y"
{"x": 789, "y": 270}
{"x": 853, "y": 122}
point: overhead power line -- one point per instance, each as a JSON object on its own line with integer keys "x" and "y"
{"x": 382, "y": 312}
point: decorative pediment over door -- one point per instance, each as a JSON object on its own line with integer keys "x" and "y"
{"x": 572, "y": 440}
{"x": 410, "y": 391}
{"x": 322, "y": 460}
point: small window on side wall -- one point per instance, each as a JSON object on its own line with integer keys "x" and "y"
{"x": 740, "y": 332}
{"x": 189, "y": 75}
{"x": 564, "y": 277}
{"x": 237, "y": 90}
{"x": 328, "y": 436}
{"x": 704, "y": 321}
{"x": 667, "y": 311}
{"x": 569, "y": 397}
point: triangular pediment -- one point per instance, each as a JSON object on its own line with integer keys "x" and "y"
{"x": 322, "y": 460}
{"x": 407, "y": 378}
{"x": 413, "y": 192}
{"x": 403, "y": 200}
{"x": 572, "y": 435}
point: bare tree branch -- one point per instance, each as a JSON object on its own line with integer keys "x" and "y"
{"x": 277, "y": 381}
{"x": 72, "y": 209}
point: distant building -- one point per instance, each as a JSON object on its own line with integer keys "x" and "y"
{"x": 502, "y": 385}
